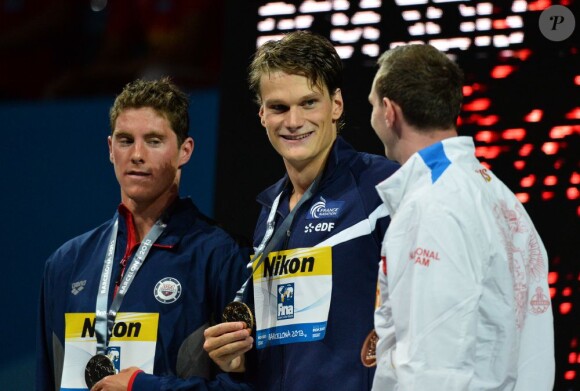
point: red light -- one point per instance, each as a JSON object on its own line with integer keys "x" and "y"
{"x": 550, "y": 148}
{"x": 539, "y": 5}
{"x": 572, "y": 357}
{"x": 547, "y": 195}
{"x": 467, "y": 90}
{"x": 574, "y": 113}
{"x": 534, "y": 116}
{"x": 488, "y": 120}
{"x": 572, "y": 193}
{"x": 526, "y": 149}
{"x": 563, "y": 131}
{"x": 566, "y": 291}
{"x": 479, "y": 104}
{"x": 478, "y": 87}
{"x": 486, "y": 136}
{"x": 577, "y": 80}
{"x": 523, "y": 54}
{"x": 514, "y": 134}
{"x": 487, "y": 152}
{"x": 550, "y": 180}
{"x": 552, "y": 292}
{"x": 558, "y": 164}
{"x": 524, "y": 197}
{"x": 552, "y": 277}
{"x": 499, "y": 24}
{"x": 578, "y": 211}
{"x": 519, "y": 164}
{"x": 575, "y": 178}
{"x": 570, "y": 375}
{"x": 528, "y": 181}
{"x": 502, "y": 71}
{"x": 565, "y": 308}
{"x": 486, "y": 165}
{"x": 574, "y": 343}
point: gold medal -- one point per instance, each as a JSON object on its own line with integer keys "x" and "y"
{"x": 368, "y": 353}
{"x": 237, "y": 311}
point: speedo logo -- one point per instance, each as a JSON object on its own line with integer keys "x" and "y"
{"x": 325, "y": 209}
{"x": 280, "y": 265}
{"x": 120, "y": 329}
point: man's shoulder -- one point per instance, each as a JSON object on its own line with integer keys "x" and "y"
{"x": 372, "y": 168}
{"x": 194, "y": 223}
{"x": 78, "y": 245}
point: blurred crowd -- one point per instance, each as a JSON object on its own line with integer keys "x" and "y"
{"x": 72, "y": 48}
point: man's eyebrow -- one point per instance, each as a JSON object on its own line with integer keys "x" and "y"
{"x": 149, "y": 134}
{"x": 279, "y": 101}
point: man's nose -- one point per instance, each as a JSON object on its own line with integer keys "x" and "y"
{"x": 137, "y": 152}
{"x": 294, "y": 118}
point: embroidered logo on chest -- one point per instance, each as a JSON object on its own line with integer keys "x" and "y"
{"x": 167, "y": 290}
{"x": 325, "y": 209}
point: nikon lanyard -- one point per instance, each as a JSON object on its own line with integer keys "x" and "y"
{"x": 105, "y": 320}
{"x": 280, "y": 232}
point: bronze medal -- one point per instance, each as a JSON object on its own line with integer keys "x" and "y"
{"x": 97, "y": 368}
{"x": 368, "y": 353}
{"x": 237, "y": 311}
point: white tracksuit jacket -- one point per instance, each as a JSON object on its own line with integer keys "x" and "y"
{"x": 465, "y": 303}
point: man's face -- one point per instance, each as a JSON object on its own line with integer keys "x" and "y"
{"x": 379, "y": 122}
{"x": 300, "y": 120}
{"x": 143, "y": 148}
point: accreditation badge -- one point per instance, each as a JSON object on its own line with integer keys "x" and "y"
{"x": 132, "y": 343}
{"x": 292, "y": 290}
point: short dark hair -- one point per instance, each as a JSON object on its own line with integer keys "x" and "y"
{"x": 161, "y": 95}
{"x": 298, "y": 53}
{"x": 424, "y": 82}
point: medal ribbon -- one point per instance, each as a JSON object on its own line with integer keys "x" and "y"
{"x": 105, "y": 320}
{"x": 267, "y": 245}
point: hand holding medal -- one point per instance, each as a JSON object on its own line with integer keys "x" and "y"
{"x": 236, "y": 311}
{"x": 97, "y": 368}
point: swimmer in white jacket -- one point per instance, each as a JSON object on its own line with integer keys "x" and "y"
{"x": 464, "y": 298}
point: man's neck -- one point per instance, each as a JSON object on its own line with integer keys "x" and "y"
{"x": 301, "y": 179}
{"x": 145, "y": 216}
{"x": 417, "y": 140}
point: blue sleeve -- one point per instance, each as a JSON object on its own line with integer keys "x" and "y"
{"x": 230, "y": 276}
{"x": 223, "y": 382}
{"x": 44, "y": 357}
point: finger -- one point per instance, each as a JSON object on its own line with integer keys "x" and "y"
{"x": 212, "y": 343}
{"x": 232, "y": 349}
{"x": 222, "y": 328}
{"x": 225, "y": 356}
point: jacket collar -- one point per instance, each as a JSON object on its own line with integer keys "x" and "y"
{"x": 180, "y": 216}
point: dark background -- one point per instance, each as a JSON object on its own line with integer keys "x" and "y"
{"x": 63, "y": 61}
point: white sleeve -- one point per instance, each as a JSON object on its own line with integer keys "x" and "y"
{"x": 435, "y": 281}
{"x": 385, "y": 378}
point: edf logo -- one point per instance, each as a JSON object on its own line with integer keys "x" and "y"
{"x": 286, "y": 301}
{"x": 557, "y": 23}
{"x": 320, "y": 227}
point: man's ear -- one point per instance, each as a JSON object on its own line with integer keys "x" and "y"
{"x": 110, "y": 142}
{"x": 337, "y": 104}
{"x": 261, "y": 114}
{"x": 185, "y": 151}
{"x": 389, "y": 111}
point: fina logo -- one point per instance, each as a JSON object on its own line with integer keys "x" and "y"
{"x": 167, "y": 290}
{"x": 324, "y": 209}
{"x": 286, "y": 301}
